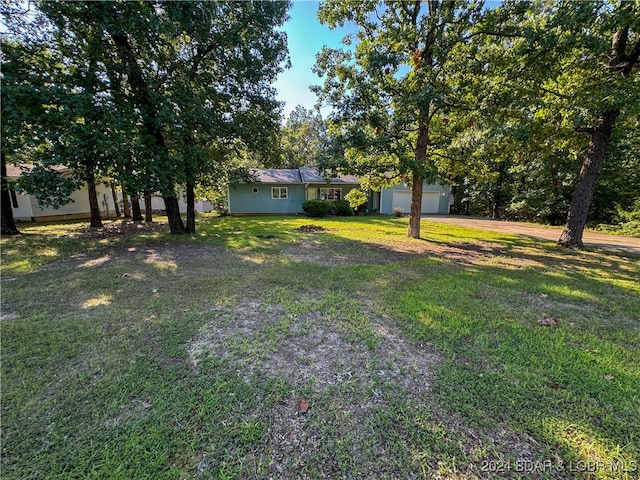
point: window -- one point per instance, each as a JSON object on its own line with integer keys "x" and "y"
{"x": 330, "y": 193}
{"x": 279, "y": 193}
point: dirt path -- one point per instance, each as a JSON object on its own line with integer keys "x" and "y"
{"x": 591, "y": 239}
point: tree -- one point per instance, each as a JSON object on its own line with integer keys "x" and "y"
{"x": 8, "y": 225}
{"x": 56, "y": 113}
{"x": 615, "y": 69}
{"x": 393, "y": 92}
{"x": 304, "y": 139}
{"x": 179, "y": 79}
{"x": 570, "y": 69}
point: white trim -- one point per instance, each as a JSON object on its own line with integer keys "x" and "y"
{"x": 229, "y": 198}
{"x": 279, "y": 197}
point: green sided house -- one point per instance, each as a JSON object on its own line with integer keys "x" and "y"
{"x": 282, "y": 192}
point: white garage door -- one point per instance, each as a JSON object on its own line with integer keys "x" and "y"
{"x": 402, "y": 199}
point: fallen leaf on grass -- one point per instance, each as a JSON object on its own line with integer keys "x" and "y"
{"x": 548, "y": 322}
{"x": 302, "y": 406}
{"x": 608, "y": 377}
{"x": 556, "y": 386}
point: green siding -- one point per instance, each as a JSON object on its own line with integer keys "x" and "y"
{"x": 242, "y": 200}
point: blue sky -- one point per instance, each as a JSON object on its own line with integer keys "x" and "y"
{"x": 306, "y": 36}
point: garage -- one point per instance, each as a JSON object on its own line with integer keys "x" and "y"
{"x": 402, "y": 200}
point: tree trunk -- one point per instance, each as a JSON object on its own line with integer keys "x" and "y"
{"x": 416, "y": 206}
{"x": 125, "y": 202}
{"x": 587, "y": 181}
{"x": 191, "y": 209}
{"x": 115, "y": 199}
{"x": 135, "y": 208}
{"x": 498, "y": 193}
{"x": 148, "y": 212}
{"x": 8, "y": 223}
{"x": 173, "y": 215}
{"x": 96, "y": 221}
{"x": 418, "y": 172}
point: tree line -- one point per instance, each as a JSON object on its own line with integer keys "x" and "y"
{"x": 519, "y": 105}
{"x": 155, "y": 95}
{"x": 530, "y": 108}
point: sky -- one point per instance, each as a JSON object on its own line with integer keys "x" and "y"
{"x": 306, "y": 37}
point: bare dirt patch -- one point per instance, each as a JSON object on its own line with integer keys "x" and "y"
{"x": 123, "y": 229}
{"x": 309, "y": 348}
{"x": 343, "y": 381}
{"x": 311, "y": 229}
{"x": 341, "y": 384}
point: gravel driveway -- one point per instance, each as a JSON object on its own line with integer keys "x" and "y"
{"x": 591, "y": 239}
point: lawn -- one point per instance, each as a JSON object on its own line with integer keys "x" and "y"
{"x": 258, "y": 349}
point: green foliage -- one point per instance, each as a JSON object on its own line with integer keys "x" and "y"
{"x": 50, "y": 187}
{"x": 139, "y": 91}
{"x": 540, "y": 91}
{"x": 357, "y": 199}
{"x": 625, "y": 221}
{"x": 341, "y": 208}
{"x": 304, "y": 139}
{"x": 316, "y": 208}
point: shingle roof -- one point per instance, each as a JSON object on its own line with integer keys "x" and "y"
{"x": 301, "y": 175}
{"x": 15, "y": 171}
{"x": 312, "y": 175}
{"x": 277, "y": 175}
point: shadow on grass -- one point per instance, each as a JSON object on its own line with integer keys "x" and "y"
{"x": 108, "y": 343}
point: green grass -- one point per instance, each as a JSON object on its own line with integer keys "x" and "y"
{"x": 154, "y": 356}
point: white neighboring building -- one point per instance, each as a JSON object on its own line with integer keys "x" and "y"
{"x": 25, "y": 206}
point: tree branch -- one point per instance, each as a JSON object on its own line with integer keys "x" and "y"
{"x": 635, "y": 54}
{"x": 493, "y": 34}
{"x": 557, "y": 94}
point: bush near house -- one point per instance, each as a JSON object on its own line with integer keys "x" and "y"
{"x": 316, "y": 208}
{"x": 341, "y": 208}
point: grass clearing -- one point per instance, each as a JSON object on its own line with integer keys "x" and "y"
{"x": 252, "y": 350}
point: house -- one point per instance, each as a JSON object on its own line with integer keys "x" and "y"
{"x": 25, "y": 206}
{"x": 283, "y": 191}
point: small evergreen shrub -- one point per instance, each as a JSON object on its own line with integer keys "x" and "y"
{"x": 316, "y": 208}
{"x": 341, "y": 208}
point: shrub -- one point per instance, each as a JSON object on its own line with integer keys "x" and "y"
{"x": 341, "y": 208}
{"x": 357, "y": 200}
{"x": 316, "y": 208}
{"x": 397, "y": 212}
